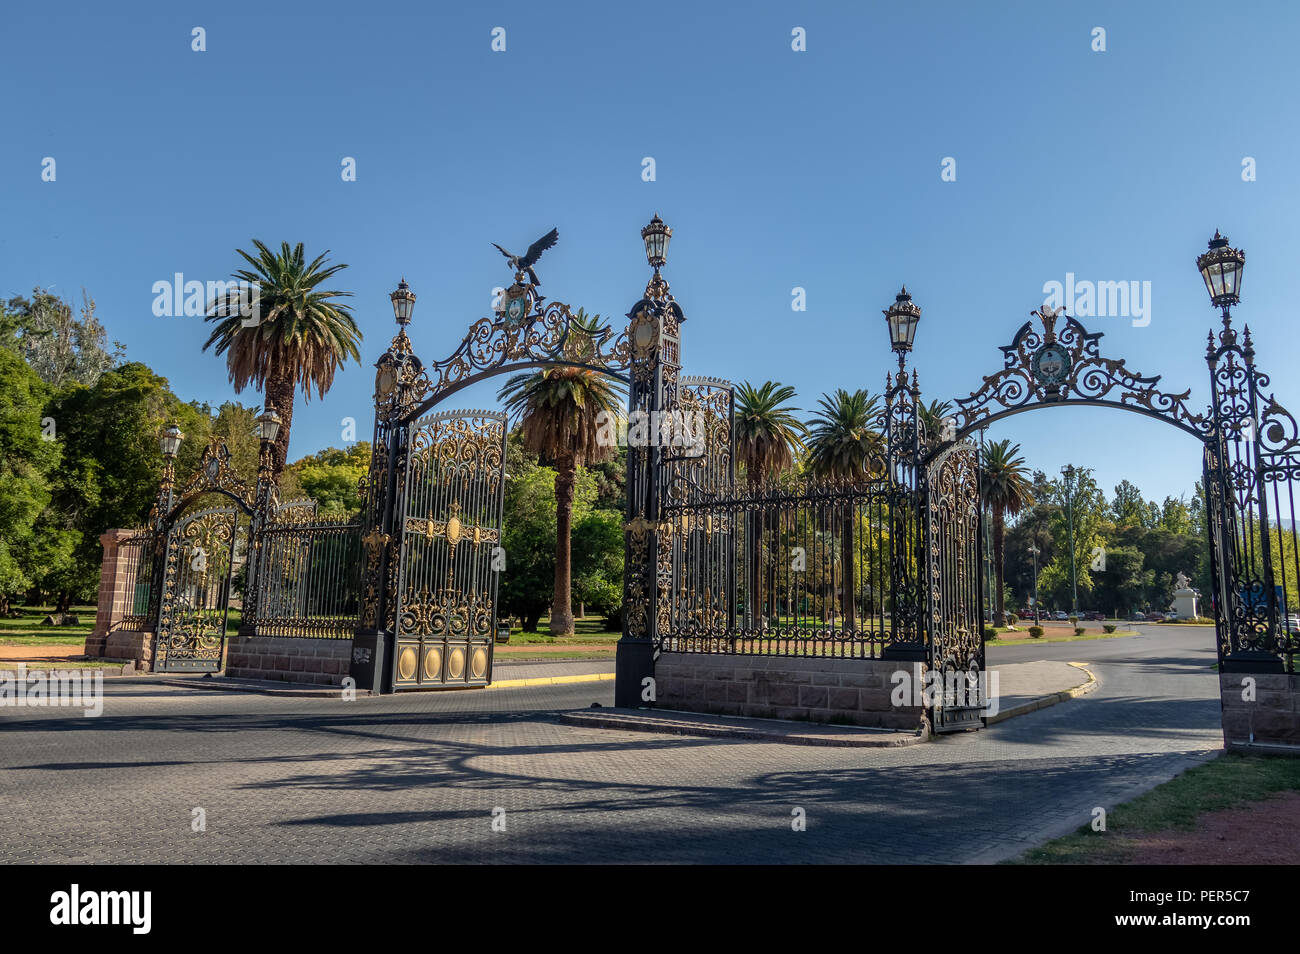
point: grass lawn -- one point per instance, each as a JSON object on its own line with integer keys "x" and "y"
{"x": 28, "y": 631}
{"x": 1228, "y": 782}
{"x": 1022, "y": 636}
{"x": 590, "y": 640}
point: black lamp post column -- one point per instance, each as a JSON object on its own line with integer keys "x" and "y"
{"x": 654, "y": 336}
{"x": 170, "y": 444}
{"x": 1247, "y": 612}
{"x": 264, "y": 503}
{"x": 395, "y": 376}
{"x": 908, "y": 564}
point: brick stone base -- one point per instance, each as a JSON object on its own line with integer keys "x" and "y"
{"x": 843, "y": 691}
{"x": 127, "y": 645}
{"x": 1272, "y": 718}
{"x": 321, "y": 662}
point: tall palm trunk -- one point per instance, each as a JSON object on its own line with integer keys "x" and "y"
{"x": 999, "y": 546}
{"x": 566, "y": 469}
{"x": 754, "y": 561}
{"x": 279, "y": 395}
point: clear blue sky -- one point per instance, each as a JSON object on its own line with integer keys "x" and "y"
{"x": 775, "y": 169}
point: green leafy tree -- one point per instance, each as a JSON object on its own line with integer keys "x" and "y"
{"x": 303, "y": 338}
{"x": 558, "y": 411}
{"x": 331, "y": 477}
{"x": 1130, "y": 508}
{"x": 1123, "y": 586}
{"x": 598, "y": 564}
{"x": 27, "y": 460}
{"x": 1089, "y": 509}
{"x": 528, "y": 532}
{"x": 1176, "y": 516}
{"x": 59, "y": 346}
{"x": 112, "y": 467}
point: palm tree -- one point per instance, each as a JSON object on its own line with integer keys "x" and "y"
{"x": 767, "y": 436}
{"x": 845, "y": 444}
{"x": 302, "y": 338}
{"x": 933, "y": 416}
{"x": 558, "y": 410}
{"x": 1007, "y": 491}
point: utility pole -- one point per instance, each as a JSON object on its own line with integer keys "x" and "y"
{"x": 1068, "y": 471}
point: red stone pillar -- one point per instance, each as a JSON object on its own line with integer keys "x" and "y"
{"x": 114, "y": 600}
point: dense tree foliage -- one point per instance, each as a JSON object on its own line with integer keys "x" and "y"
{"x": 59, "y": 346}
{"x": 1128, "y": 551}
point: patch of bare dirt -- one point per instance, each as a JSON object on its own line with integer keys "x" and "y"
{"x": 1263, "y": 833}
{"x": 40, "y": 654}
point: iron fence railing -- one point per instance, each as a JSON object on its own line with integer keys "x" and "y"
{"x": 308, "y": 578}
{"x": 136, "y": 557}
{"x": 797, "y": 569}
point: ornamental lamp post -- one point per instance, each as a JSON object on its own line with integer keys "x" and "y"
{"x": 269, "y": 425}
{"x": 403, "y": 303}
{"x": 1221, "y": 267}
{"x": 1033, "y": 552}
{"x": 656, "y": 237}
{"x": 268, "y": 428}
{"x": 170, "y": 442}
{"x": 902, "y": 317}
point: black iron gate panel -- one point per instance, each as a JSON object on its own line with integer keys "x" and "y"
{"x": 450, "y": 536}
{"x": 138, "y": 556}
{"x": 195, "y": 593}
{"x": 956, "y": 614}
{"x": 701, "y": 538}
{"x": 308, "y": 575}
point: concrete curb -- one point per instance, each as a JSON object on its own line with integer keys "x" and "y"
{"x": 1042, "y": 702}
{"x": 333, "y": 692}
{"x": 702, "y": 724}
{"x": 553, "y": 680}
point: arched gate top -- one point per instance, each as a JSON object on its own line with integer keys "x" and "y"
{"x": 526, "y": 334}
{"x": 1047, "y": 367}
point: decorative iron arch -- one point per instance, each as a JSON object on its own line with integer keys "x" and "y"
{"x": 214, "y": 475}
{"x": 528, "y": 333}
{"x": 1044, "y": 367}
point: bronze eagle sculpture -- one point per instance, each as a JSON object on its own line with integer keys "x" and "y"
{"x": 525, "y": 262}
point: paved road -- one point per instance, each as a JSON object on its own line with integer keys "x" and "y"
{"x": 416, "y": 778}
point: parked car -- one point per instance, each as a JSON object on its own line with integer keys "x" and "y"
{"x": 1094, "y": 615}
{"x": 1061, "y": 615}
{"x": 1155, "y": 617}
{"x": 1293, "y": 623}
{"x": 1171, "y": 617}
{"x": 1137, "y": 617}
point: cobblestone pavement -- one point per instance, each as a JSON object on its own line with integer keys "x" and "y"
{"x": 416, "y": 778}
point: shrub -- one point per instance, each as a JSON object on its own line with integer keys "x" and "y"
{"x": 1074, "y": 621}
{"x": 1035, "y": 631}
{"x": 1078, "y": 630}
{"x": 1109, "y": 627}
{"x": 990, "y": 632}
{"x": 1012, "y": 619}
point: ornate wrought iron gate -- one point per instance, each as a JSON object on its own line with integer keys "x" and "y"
{"x": 195, "y": 598}
{"x": 953, "y": 532}
{"x": 450, "y": 534}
